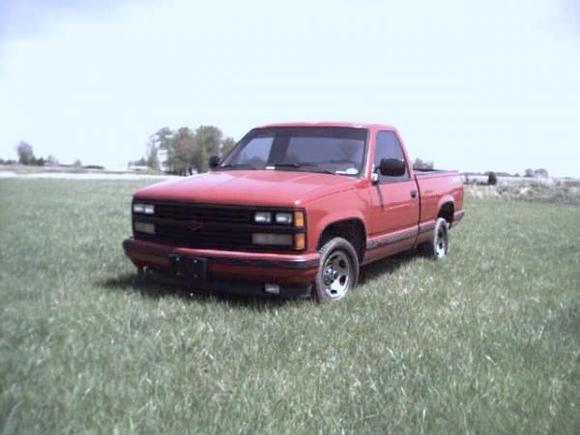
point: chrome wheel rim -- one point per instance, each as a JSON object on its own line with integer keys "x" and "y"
{"x": 441, "y": 242}
{"x": 337, "y": 274}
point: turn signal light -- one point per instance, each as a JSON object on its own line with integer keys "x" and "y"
{"x": 299, "y": 219}
{"x": 299, "y": 241}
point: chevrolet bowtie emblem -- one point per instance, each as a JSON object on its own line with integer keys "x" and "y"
{"x": 194, "y": 225}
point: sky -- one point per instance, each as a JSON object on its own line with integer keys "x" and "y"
{"x": 473, "y": 86}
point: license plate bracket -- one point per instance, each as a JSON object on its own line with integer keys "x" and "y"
{"x": 193, "y": 269}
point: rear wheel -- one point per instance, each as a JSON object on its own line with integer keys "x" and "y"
{"x": 338, "y": 271}
{"x": 438, "y": 246}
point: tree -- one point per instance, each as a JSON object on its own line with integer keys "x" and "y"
{"x": 541, "y": 173}
{"x": 163, "y": 142}
{"x": 529, "y": 172}
{"x": 51, "y": 160}
{"x": 163, "y": 138}
{"x": 184, "y": 150}
{"x": 491, "y": 178}
{"x": 25, "y": 153}
{"x": 139, "y": 162}
{"x": 181, "y": 150}
{"x": 227, "y": 145}
{"x": 208, "y": 141}
{"x": 420, "y": 164}
{"x": 77, "y": 163}
{"x": 151, "y": 157}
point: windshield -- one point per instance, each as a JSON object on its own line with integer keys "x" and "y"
{"x": 336, "y": 150}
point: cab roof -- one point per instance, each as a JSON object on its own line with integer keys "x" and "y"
{"x": 367, "y": 125}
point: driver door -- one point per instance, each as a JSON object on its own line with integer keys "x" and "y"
{"x": 395, "y": 200}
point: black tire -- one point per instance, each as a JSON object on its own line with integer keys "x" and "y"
{"x": 438, "y": 246}
{"x": 338, "y": 271}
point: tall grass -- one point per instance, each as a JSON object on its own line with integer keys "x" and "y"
{"x": 485, "y": 341}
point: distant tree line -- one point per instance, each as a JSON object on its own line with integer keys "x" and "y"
{"x": 492, "y": 177}
{"x": 539, "y": 173}
{"x": 26, "y": 156}
{"x": 184, "y": 151}
{"x": 422, "y": 164}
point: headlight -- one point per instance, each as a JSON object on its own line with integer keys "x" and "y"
{"x": 272, "y": 239}
{"x": 144, "y": 227}
{"x": 280, "y": 218}
{"x": 263, "y": 217}
{"x": 141, "y": 208}
{"x": 284, "y": 218}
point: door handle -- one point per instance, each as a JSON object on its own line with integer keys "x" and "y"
{"x": 413, "y": 194}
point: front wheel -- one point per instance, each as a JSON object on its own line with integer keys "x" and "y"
{"x": 338, "y": 271}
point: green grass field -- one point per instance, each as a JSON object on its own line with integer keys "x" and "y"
{"x": 486, "y": 341}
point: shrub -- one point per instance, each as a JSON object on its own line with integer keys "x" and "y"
{"x": 492, "y": 179}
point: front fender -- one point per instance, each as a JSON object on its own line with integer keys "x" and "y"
{"x": 331, "y": 209}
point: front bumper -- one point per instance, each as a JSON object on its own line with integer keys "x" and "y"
{"x": 251, "y": 268}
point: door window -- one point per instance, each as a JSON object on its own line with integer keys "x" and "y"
{"x": 389, "y": 147}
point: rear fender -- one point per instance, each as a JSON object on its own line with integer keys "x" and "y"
{"x": 444, "y": 200}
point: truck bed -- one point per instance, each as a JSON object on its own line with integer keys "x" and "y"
{"x": 435, "y": 188}
{"x": 434, "y": 172}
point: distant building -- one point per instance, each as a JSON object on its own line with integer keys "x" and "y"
{"x": 137, "y": 168}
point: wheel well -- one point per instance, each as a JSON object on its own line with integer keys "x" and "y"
{"x": 352, "y": 230}
{"x": 446, "y": 212}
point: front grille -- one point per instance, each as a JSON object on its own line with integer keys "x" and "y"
{"x": 203, "y": 213}
{"x": 208, "y": 226}
{"x": 209, "y": 236}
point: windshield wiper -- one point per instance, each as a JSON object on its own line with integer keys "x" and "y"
{"x": 307, "y": 166}
{"x": 236, "y": 166}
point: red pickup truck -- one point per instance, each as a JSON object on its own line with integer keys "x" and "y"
{"x": 295, "y": 209}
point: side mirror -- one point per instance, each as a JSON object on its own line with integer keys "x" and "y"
{"x": 214, "y": 161}
{"x": 392, "y": 167}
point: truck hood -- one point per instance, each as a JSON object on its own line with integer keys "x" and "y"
{"x": 238, "y": 187}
